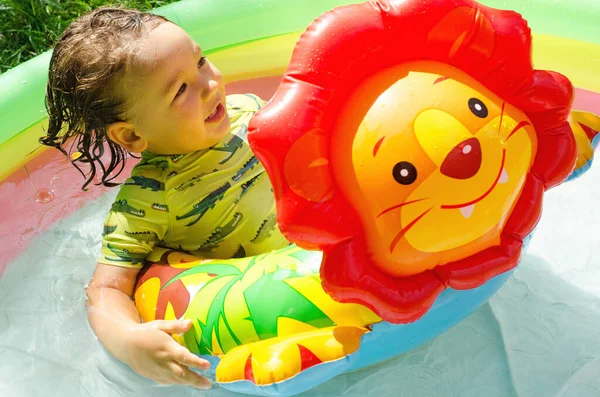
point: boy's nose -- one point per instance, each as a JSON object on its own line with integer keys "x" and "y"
{"x": 463, "y": 161}
{"x": 209, "y": 88}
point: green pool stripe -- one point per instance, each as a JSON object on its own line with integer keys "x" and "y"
{"x": 573, "y": 19}
{"x": 243, "y": 20}
{"x": 22, "y": 92}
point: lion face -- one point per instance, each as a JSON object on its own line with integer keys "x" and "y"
{"x": 439, "y": 162}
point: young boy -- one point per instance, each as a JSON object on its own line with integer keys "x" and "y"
{"x": 125, "y": 81}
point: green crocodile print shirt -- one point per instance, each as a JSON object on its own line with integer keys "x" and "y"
{"x": 214, "y": 204}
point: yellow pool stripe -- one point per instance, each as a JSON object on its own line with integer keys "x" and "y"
{"x": 267, "y": 57}
{"x": 578, "y": 60}
{"x": 21, "y": 148}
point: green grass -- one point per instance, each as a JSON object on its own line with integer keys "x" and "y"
{"x": 30, "y": 27}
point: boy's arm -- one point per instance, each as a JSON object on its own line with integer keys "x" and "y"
{"x": 148, "y": 348}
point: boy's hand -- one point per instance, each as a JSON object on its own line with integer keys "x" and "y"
{"x": 154, "y": 354}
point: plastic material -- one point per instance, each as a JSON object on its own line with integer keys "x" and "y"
{"x": 420, "y": 161}
{"x": 268, "y": 327}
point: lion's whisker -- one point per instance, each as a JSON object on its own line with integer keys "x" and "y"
{"x": 401, "y": 205}
{"x": 517, "y": 128}
{"x": 501, "y": 118}
{"x": 399, "y": 236}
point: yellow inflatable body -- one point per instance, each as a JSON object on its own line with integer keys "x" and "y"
{"x": 267, "y": 316}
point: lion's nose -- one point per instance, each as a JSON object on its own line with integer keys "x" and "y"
{"x": 463, "y": 161}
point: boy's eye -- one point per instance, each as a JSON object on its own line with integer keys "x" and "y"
{"x": 181, "y": 90}
{"x": 184, "y": 86}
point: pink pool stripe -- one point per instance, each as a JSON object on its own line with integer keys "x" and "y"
{"x": 23, "y": 218}
{"x": 587, "y": 101}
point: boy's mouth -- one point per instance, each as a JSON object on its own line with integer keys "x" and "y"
{"x": 216, "y": 115}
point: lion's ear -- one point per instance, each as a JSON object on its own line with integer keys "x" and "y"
{"x": 307, "y": 168}
{"x": 586, "y": 128}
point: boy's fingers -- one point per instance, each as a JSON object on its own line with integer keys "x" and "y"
{"x": 189, "y": 377}
{"x": 172, "y": 380}
{"x": 185, "y": 357}
{"x": 173, "y": 326}
{"x": 166, "y": 378}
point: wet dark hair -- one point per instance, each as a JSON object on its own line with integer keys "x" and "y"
{"x": 81, "y": 100}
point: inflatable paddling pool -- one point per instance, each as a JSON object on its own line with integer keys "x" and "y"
{"x": 378, "y": 340}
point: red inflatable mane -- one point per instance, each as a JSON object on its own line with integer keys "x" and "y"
{"x": 341, "y": 49}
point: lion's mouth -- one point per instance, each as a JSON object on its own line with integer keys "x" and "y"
{"x": 466, "y": 209}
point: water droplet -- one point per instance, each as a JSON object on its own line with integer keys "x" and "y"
{"x": 44, "y": 196}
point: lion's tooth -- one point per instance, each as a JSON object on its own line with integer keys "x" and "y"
{"x": 467, "y": 211}
{"x": 503, "y": 176}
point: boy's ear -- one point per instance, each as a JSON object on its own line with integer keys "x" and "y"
{"x": 123, "y": 134}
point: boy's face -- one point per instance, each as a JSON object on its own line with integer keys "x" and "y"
{"x": 175, "y": 98}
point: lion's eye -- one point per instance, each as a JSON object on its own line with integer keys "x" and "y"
{"x": 404, "y": 173}
{"x": 478, "y": 108}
